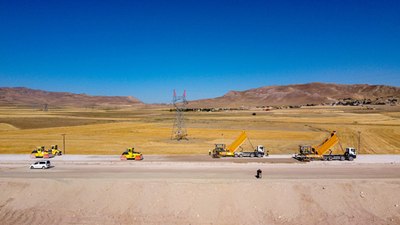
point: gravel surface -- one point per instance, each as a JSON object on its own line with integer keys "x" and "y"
{"x": 198, "y": 190}
{"x": 14, "y": 158}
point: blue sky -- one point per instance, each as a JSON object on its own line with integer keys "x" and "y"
{"x": 148, "y": 48}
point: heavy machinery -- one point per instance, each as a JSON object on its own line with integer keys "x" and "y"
{"x": 40, "y": 152}
{"x": 259, "y": 152}
{"x": 220, "y": 150}
{"x": 319, "y": 152}
{"x": 55, "y": 151}
{"x": 130, "y": 154}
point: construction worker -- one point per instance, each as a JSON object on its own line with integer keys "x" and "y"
{"x": 259, "y": 174}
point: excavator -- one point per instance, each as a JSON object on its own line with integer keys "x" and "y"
{"x": 220, "y": 150}
{"x": 319, "y": 152}
{"x": 130, "y": 154}
{"x": 40, "y": 152}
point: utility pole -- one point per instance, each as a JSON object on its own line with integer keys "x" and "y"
{"x": 63, "y": 143}
{"x": 359, "y": 141}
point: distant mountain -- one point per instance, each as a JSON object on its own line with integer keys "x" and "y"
{"x": 30, "y": 97}
{"x": 298, "y": 94}
{"x": 289, "y": 95}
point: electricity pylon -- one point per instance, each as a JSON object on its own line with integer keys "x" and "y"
{"x": 179, "y": 131}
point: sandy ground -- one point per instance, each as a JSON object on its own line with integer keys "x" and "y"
{"x": 189, "y": 189}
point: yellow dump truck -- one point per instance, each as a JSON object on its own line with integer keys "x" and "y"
{"x": 323, "y": 151}
{"x": 220, "y": 150}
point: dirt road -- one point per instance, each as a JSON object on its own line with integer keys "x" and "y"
{"x": 161, "y": 190}
{"x": 139, "y": 170}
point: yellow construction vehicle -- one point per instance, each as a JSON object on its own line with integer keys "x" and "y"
{"x": 55, "y": 150}
{"x": 40, "y": 152}
{"x": 221, "y": 150}
{"x": 319, "y": 152}
{"x": 130, "y": 154}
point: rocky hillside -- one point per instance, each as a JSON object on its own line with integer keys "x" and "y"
{"x": 289, "y": 95}
{"x": 30, "y": 97}
{"x": 299, "y": 94}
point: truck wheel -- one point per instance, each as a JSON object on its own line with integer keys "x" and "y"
{"x": 341, "y": 158}
{"x": 31, "y": 167}
{"x": 42, "y": 167}
{"x": 351, "y": 158}
{"x": 259, "y": 155}
{"x": 236, "y": 156}
{"x": 241, "y": 156}
{"x": 251, "y": 155}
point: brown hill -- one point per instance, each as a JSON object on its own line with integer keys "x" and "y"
{"x": 26, "y": 96}
{"x": 299, "y": 94}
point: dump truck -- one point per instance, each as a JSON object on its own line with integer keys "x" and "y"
{"x": 220, "y": 150}
{"x": 41, "y": 152}
{"x": 323, "y": 151}
{"x": 131, "y": 154}
{"x": 259, "y": 152}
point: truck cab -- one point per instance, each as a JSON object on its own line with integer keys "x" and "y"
{"x": 350, "y": 153}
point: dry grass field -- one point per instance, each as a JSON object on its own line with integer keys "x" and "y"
{"x": 110, "y": 131}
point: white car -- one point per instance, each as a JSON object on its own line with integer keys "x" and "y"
{"x": 44, "y": 164}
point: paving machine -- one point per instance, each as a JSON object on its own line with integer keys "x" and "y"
{"x": 55, "y": 151}
{"x": 131, "y": 154}
{"x": 40, "y": 152}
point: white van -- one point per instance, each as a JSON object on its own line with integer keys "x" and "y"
{"x": 43, "y": 164}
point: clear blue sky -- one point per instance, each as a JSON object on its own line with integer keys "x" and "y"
{"x": 148, "y": 48}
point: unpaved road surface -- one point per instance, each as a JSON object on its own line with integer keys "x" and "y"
{"x": 197, "y": 190}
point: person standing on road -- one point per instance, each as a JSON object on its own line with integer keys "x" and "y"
{"x": 259, "y": 174}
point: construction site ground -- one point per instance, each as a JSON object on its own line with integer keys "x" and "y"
{"x": 179, "y": 183}
{"x": 196, "y": 189}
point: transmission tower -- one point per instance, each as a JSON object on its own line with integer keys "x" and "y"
{"x": 179, "y": 131}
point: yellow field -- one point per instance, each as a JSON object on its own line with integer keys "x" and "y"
{"x": 94, "y": 131}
